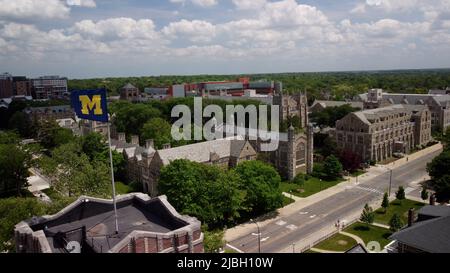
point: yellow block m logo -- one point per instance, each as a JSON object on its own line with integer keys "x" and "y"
{"x": 87, "y": 105}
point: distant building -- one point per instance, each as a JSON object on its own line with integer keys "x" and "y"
{"x": 320, "y": 105}
{"x": 22, "y": 86}
{"x": 377, "y": 134}
{"x": 6, "y": 86}
{"x": 439, "y": 105}
{"x": 146, "y": 225}
{"x": 49, "y": 87}
{"x": 50, "y": 112}
{"x": 221, "y": 88}
{"x": 130, "y": 93}
{"x": 156, "y": 93}
{"x": 429, "y": 234}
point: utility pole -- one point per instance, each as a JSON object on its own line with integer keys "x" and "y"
{"x": 390, "y": 181}
{"x": 293, "y": 248}
{"x": 259, "y": 235}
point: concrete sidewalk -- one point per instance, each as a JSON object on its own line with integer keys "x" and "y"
{"x": 301, "y": 203}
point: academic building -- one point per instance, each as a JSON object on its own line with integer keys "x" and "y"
{"x": 377, "y": 134}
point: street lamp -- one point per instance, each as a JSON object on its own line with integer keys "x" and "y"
{"x": 390, "y": 181}
{"x": 293, "y": 248}
{"x": 259, "y": 235}
{"x": 320, "y": 184}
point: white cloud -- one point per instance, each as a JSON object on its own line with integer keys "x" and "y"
{"x": 249, "y": 4}
{"x": 23, "y": 9}
{"x": 195, "y": 31}
{"x": 201, "y": 3}
{"x": 82, "y": 3}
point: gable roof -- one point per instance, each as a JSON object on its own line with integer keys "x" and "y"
{"x": 200, "y": 152}
{"x": 332, "y": 103}
{"x": 359, "y": 248}
{"x": 129, "y": 86}
{"x": 435, "y": 211}
{"x": 432, "y": 236}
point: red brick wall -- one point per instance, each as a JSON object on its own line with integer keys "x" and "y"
{"x": 198, "y": 248}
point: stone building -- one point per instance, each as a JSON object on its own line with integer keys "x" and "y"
{"x": 439, "y": 105}
{"x": 146, "y": 225}
{"x": 293, "y": 106}
{"x": 377, "y": 134}
{"x": 144, "y": 163}
{"x": 226, "y": 153}
{"x": 92, "y": 126}
{"x": 50, "y": 112}
{"x": 320, "y": 105}
{"x": 130, "y": 93}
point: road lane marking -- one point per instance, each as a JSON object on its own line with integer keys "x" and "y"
{"x": 235, "y": 248}
{"x": 303, "y": 212}
{"x": 292, "y": 227}
{"x": 265, "y": 239}
{"x": 312, "y": 216}
{"x": 368, "y": 189}
{"x": 281, "y": 223}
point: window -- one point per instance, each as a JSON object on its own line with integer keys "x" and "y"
{"x": 360, "y": 140}
{"x": 300, "y": 154}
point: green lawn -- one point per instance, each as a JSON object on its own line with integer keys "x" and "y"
{"x": 399, "y": 207}
{"x": 287, "y": 201}
{"x": 370, "y": 233}
{"x": 312, "y": 186}
{"x": 310, "y": 251}
{"x": 337, "y": 242}
{"x": 52, "y": 193}
{"x": 122, "y": 188}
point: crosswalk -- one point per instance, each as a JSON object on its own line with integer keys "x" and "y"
{"x": 369, "y": 189}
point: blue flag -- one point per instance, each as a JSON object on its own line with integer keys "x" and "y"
{"x": 90, "y": 104}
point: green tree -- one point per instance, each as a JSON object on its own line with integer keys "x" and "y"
{"x": 52, "y": 136}
{"x": 130, "y": 118}
{"x": 367, "y": 216}
{"x": 439, "y": 166}
{"x": 385, "y": 203}
{"x": 21, "y": 123}
{"x": 14, "y": 165}
{"x": 209, "y": 193}
{"x": 395, "y": 223}
{"x": 440, "y": 176}
{"x": 424, "y": 194}
{"x": 159, "y": 130}
{"x": 262, "y": 185}
{"x": 73, "y": 174}
{"x": 213, "y": 240}
{"x": 332, "y": 168}
{"x": 400, "y": 195}
{"x": 442, "y": 188}
{"x": 93, "y": 144}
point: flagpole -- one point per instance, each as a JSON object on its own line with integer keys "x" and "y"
{"x": 112, "y": 179}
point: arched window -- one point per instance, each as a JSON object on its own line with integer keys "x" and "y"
{"x": 300, "y": 154}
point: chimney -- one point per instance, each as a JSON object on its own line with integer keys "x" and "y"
{"x": 135, "y": 140}
{"x": 166, "y": 146}
{"x": 410, "y": 217}
{"x": 149, "y": 143}
{"x": 433, "y": 200}
{"x": 121, "y": 137}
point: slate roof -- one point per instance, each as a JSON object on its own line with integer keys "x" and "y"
{"x": 432, "y": 236}
{"x": 200, "y": 152}
{"x": 435, "y": 211}
{"x": 367, "y": 115}
{"x": 332, "y": 103}
{"x": 129, "y": 86}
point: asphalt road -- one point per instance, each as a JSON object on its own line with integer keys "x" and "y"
{"x": 283, "y": 232}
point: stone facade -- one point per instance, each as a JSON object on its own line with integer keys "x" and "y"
{"x": 130, "y": 93}
{"x": 379, "y": 133}
{"x": 290, "y": 106}
{"x": 439, "y": 104}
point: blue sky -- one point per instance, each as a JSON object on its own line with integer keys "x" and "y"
{"x": 101, "y": 38}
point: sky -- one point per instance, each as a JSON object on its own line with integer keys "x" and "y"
{"x": 109, "y": 38}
